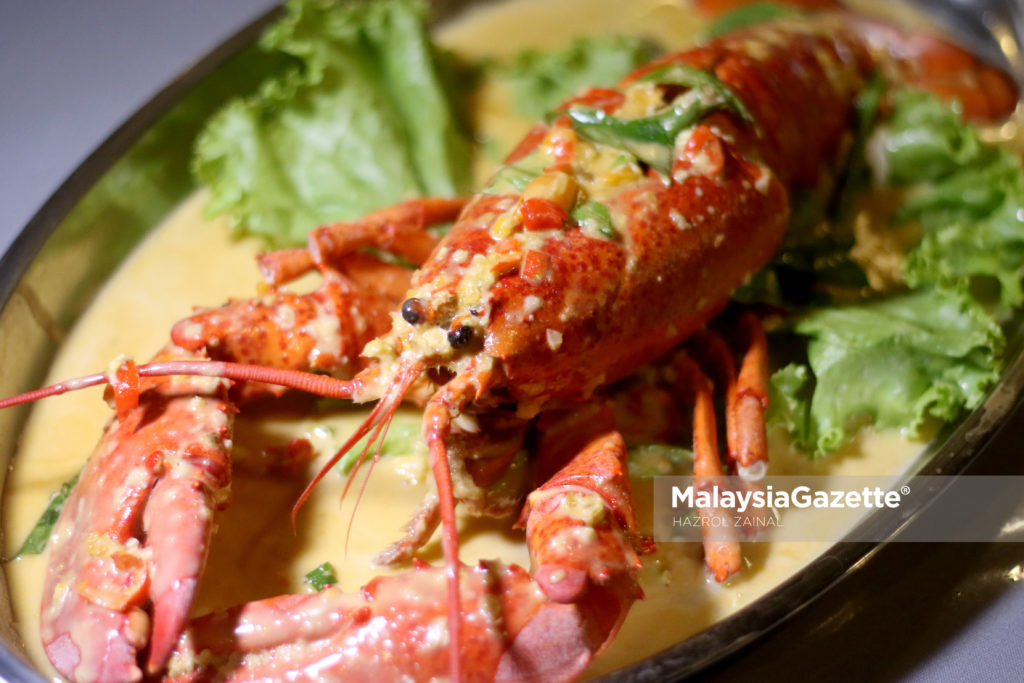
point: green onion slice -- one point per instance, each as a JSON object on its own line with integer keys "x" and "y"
{"x": 38, "y": 537}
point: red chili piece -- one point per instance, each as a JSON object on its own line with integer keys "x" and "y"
{"x": 542, "y": 214}
{"x": 705, "y": 141}
{"x": 606, "y": 99}
{"x": 535, "y": 265}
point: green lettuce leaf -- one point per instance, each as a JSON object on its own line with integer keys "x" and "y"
{"x": 926, "y": 139}
{"x": 358, "y": 121}
{"x": 789, "y": 399}
{"x": 893, "y": 363}
{"x": 968, "y": 197}
{"x": 749, "y": 15}
{"x": 934, "y": 350}
{"x": 541, "y": 80}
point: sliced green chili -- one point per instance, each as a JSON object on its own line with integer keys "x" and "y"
{"x": 511, "y": 176}
{"x": 651, "y": 138}
{"x": 691, "y": 77}
{"x": 595, "y": 215}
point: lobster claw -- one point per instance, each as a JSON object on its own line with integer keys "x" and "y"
{"x": 137, "y": 525}
{"x": 580, "y": 525}
{"x": 514, "y": 627}
{"x": 512, "y": 632}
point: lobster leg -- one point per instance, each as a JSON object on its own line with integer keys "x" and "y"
{"x": 178, "y": 523}
{"x": 580, "y": 528}
{"x": 388, "y": 280}
{"x": 399, "y": 229}
{"x": 712, "y": 352}
{"x": 721, "y": 540}
{"x": 393, "y": 630}
{"x": 579, "y": 525}
{"x": 747, "y": 400}
{"x": 418, "y": 531}
{"x": 482, "y": 448}
{"x": 437, "y": 424}
{"x": 746, "y": 394}
{"x": 444, "y": 406}
{"x": 323, "y": 330}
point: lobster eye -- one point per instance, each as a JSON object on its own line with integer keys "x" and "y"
{"x": 412, "y": 311}
{"x": 460, "y": 336}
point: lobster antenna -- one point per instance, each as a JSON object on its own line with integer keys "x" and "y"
{"x": 56, "y": 389}
{"x": 322, "y": 385}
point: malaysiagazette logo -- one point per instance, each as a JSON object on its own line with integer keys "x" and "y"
{"x": 720, "y": 497}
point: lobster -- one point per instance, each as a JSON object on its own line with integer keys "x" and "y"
{"x": 644, "y": 207}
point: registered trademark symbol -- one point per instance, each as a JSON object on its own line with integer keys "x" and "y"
{"x": 905, "y": 490}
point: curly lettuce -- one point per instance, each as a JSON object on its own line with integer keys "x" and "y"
{"x": 894, "y": 363}
{"x": 360, "y": 119}
{"x": 935, "y": 349}
{"x": 968, "y": 197}
{"x": 542, "y": 79}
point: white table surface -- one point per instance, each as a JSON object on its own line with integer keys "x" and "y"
{"x": 71, "y": 72}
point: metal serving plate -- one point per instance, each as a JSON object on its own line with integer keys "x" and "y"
{"x": 139, "y": 173}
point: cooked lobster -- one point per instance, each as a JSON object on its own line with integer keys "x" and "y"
{"x": 644, "y": 207}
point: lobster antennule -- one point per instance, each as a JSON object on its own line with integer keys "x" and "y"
{"x": 379, "y": 434}
{"x": 321, "y": 385}
{"x": 379, "y": 416}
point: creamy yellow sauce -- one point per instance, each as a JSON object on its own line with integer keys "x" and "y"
{"x": 255, "y": 553}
